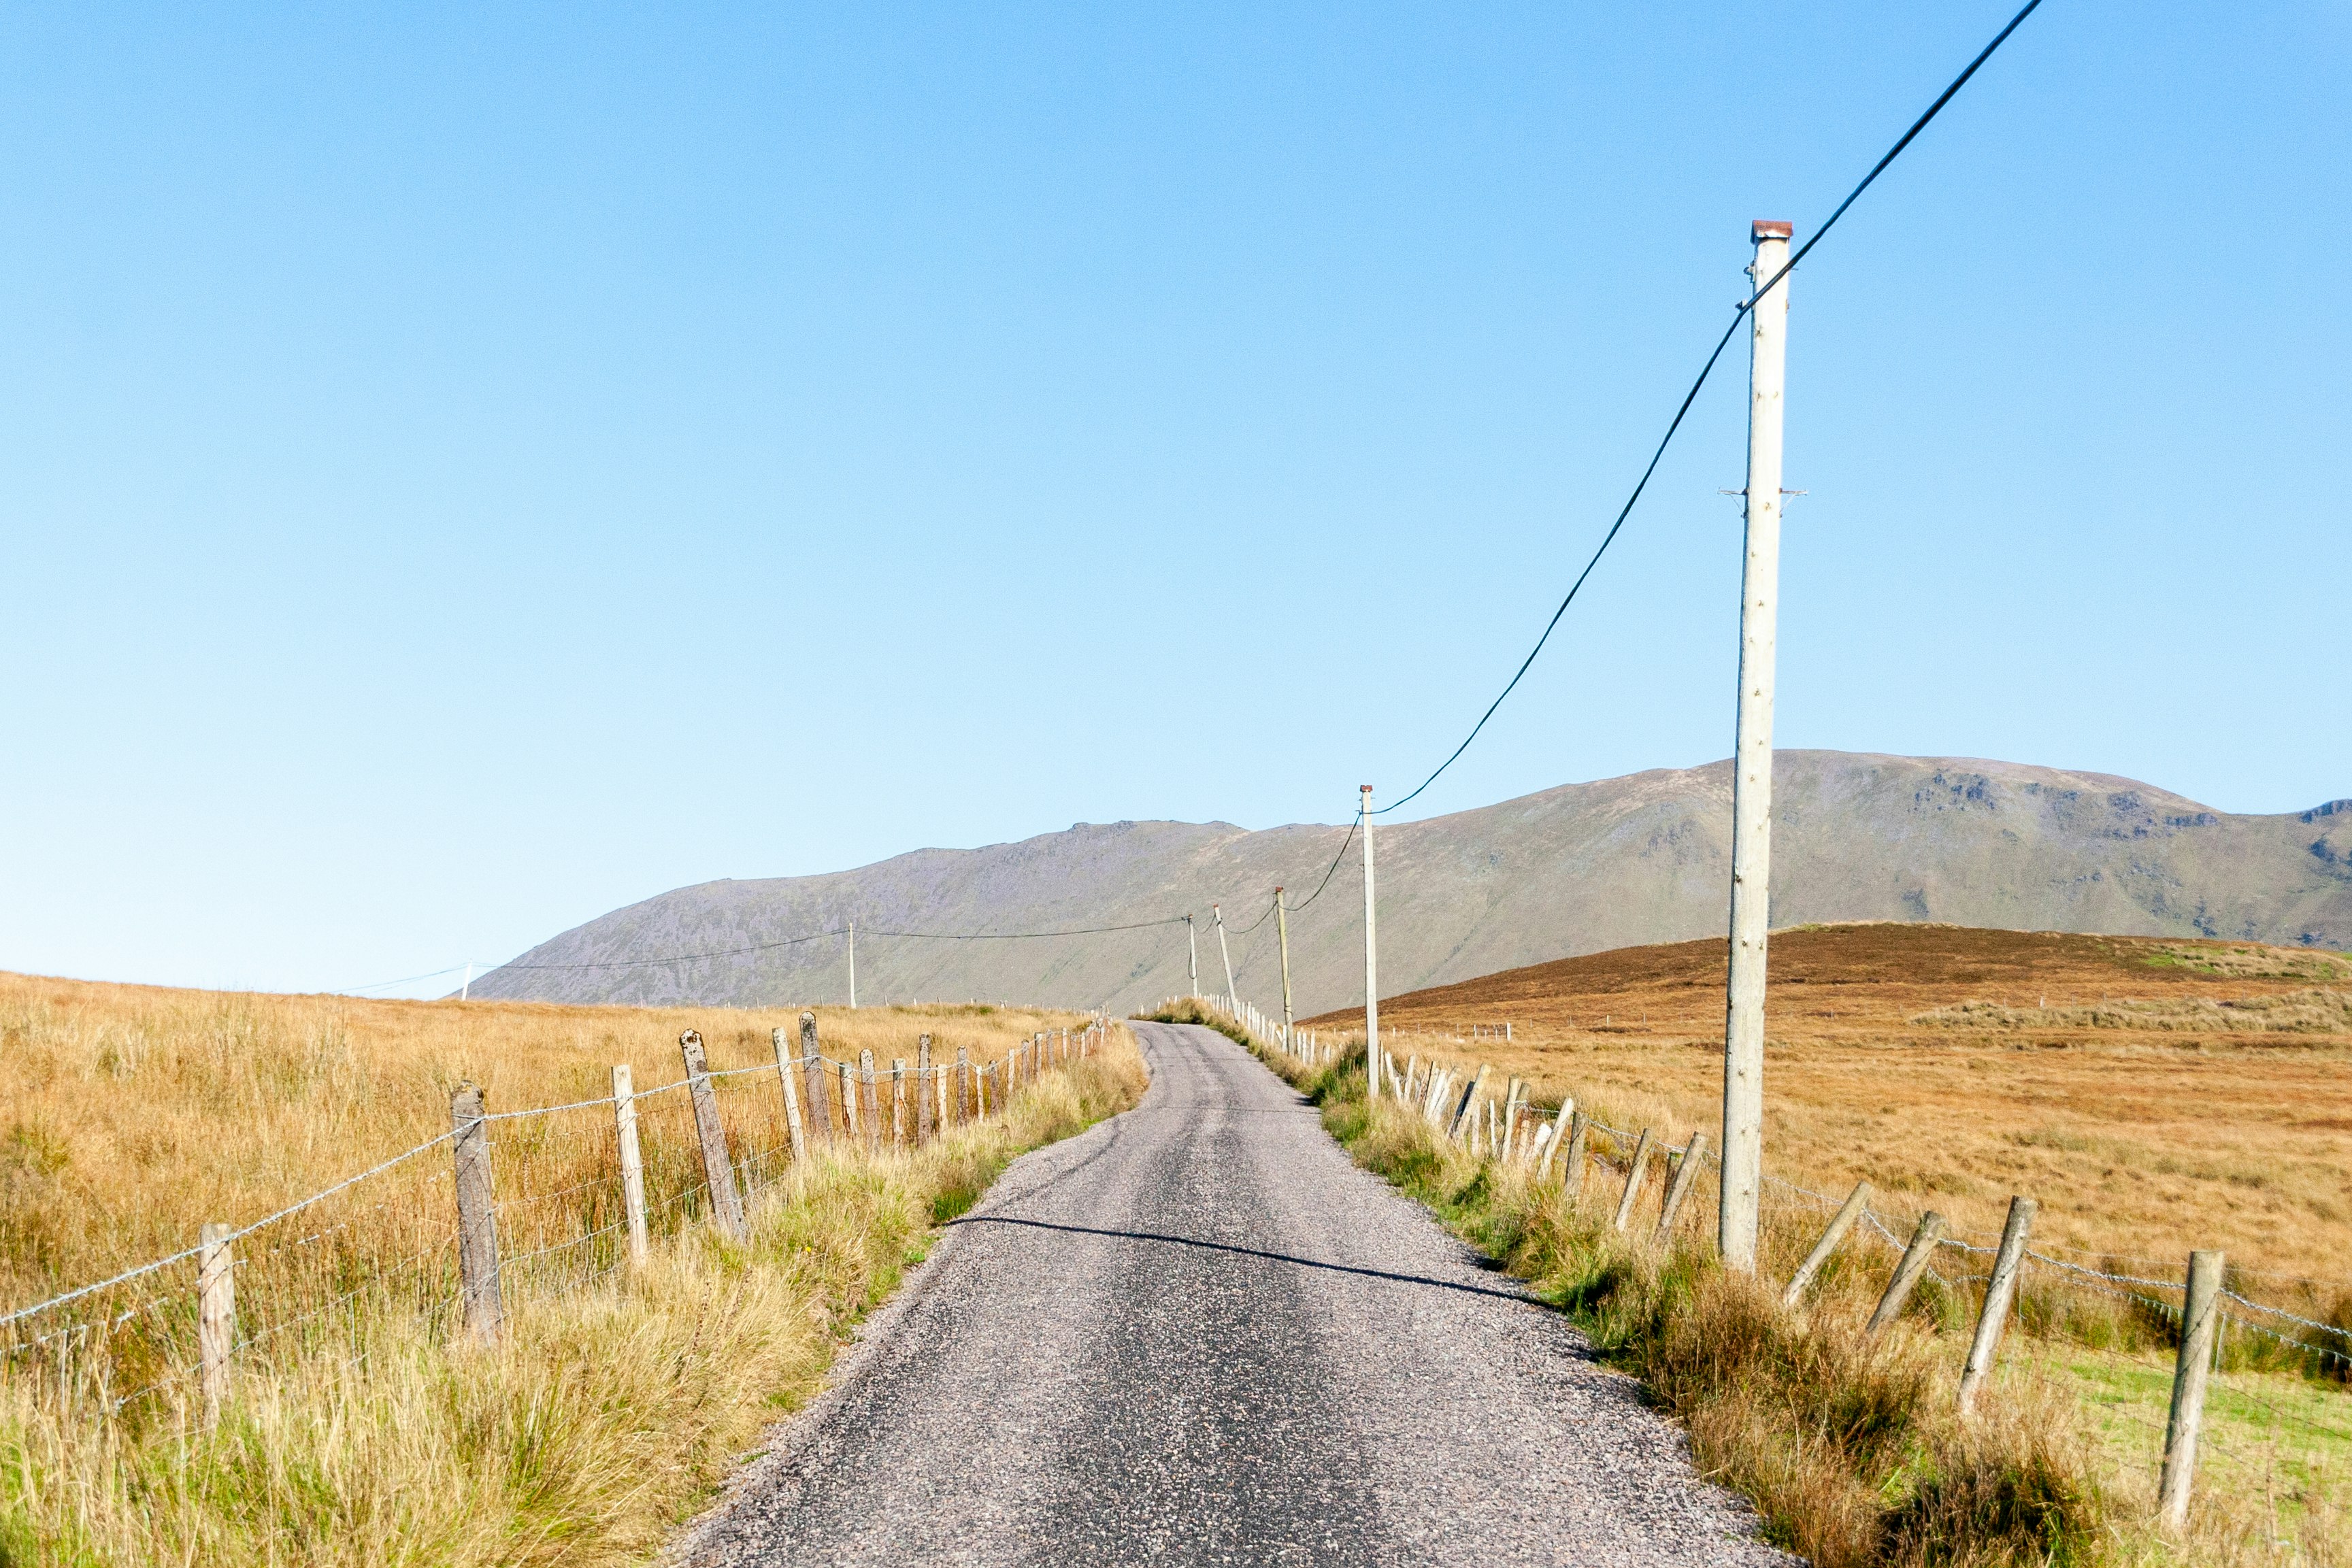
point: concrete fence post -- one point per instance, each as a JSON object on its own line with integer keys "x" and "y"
{"x": 1908, "y": 1271}
{"x": 478, "y": 1224}
{"x": 784, "y": 1066}
{"x": 2000, "y": 1292}
{"x": 718, "y": 1167}
{"x": 2199, "y": 1315}
{"x": 1693, "y": 1156}
{"x": 1633, "y": 1174}
{"x": 215, "y": 1316}
{"x": 633, "y": 1164}
{"x": 1802, "y": 1279}
{"x": 812, "y": 1069}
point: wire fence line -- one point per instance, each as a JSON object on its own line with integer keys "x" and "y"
{"x": 564, "y": 1204}
{"x": 2218, "y": 1337}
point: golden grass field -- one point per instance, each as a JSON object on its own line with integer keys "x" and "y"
{"x": 361, "y": 1426}
{"x": 2155, "y": 1095}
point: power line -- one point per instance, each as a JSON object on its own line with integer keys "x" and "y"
{"x": 1334, "y": 866}
{"x": 1025, "y": 936}
{"x": 1738, "y": 314}
{"x": 840, "y": 930}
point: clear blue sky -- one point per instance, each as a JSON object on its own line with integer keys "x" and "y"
{"x": 467, "y": 469}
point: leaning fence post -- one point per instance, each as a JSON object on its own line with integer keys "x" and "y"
{"x": 1999, "y": 1292}
{"x": 963, "y": 1085}
{"x": 1634, "y": 1179}
{"x": 812, "y": 1066}
{"x": 2198, "y": 1314}
{"x": 1552, "y": 1146}
{"x": 1458, "y": 1126}
{"x": 633, "y": 1164}
{"x": 791, "y": 1096}
{"x": 871, "y": 1107}
{"x": 923, "y": 1090}
{"x": 1693, "y": 1156}
{"x": 1798, "y": 1282}
{"x": 477, "y": 1226}
{"x": 1907, "y": 1272}
{"x": 1580, "y": 1132}
{"x": 718, "y": 1169}
{"x": 216, "y": 1315}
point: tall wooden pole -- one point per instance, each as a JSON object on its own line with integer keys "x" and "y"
{"x": 1751, "y": 767}
{"x": 1191, "y": 960}
{"x": 1233, "y": 999}
{"x": 853, "y": 965}
{"x": 1282, "y": 930}
{"x": 1371, "y": 963}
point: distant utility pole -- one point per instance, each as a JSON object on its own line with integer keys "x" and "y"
{"x": 853, "y": 965}
{"x": 1191, "y": 960}
{"x": 1233, "y": 999}
{"x": 1752, "y": 766}
{"x": 466, "y": 991}
{"x": 1371, "y": 963}
{"x": 1282, "y": 930}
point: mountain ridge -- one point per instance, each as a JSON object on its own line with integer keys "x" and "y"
{"x": 1577, "y": 868}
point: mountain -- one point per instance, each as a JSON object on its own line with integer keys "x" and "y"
{"x": 1579, "y": 869}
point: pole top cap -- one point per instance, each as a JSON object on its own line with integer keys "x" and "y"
{"x": 1365, "y": 788}
{"x": 1770, "y": 228}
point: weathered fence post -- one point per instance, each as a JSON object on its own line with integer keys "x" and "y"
{"x": 1907, "y": 1272}
{"x": 849, "y": 1102}
{"x": 718, "y": 1169}
{"x": 1693, "y": 1156}
{"x": 872, "y": 1106}
{"x": 897, "y": 1102}
{"x": 1798, "y": 1282}
{"x": 923, "y": 1095}
{"x": 215, "y": 1316}
{"x": 939, "y": 1093}
{"x": 1634, "y": 1179}
{"x": 2198, "y": 1314}
{"x": 1553, "y": 1147}
{"x": 1999, "y": 1292}
{"x": 813, "y": 1067}
{"x": 1510, "y": 1114}
{"x": 477, "y": 1226}
{"x": 963, "y": 1085}
{"x": 1580, "y": 1132}
{"x": 1458, "y": 1127}
{"x": 791, "y": 1096}
{"x": 633, "y": 1164}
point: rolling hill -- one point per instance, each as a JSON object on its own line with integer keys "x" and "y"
{"x": 1579, "y": 869}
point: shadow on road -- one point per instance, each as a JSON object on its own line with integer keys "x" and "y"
{"x": 1247, "y": 1252}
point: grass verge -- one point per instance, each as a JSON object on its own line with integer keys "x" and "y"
{"x": 603, "y": 1417}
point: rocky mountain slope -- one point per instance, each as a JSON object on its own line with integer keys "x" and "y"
{"x": 1585, "y": 867}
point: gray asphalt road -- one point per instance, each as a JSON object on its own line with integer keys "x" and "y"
{"x": 1198, "y": 1334}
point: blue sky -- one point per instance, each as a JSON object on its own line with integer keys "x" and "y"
{"x": 470, "y": 469}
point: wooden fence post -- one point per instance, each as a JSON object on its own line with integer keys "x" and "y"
{"x": 980, "y": 1091}
{"x": 1558, "y": 1140}
{"x": 1580, "y": 1132}
{"x": 718, "y": 1168}
{"x": 849, "y": 1102}
{"x": 963, "y": 1085}
{"x": 871, "y": 1104}
{"x": 215, "y": 1316}
{"x": 1693, "y": 1156}
{"x": 1458, "y": 1127}
{"x": 1907, "y": 1272}
{"x": 897, "y": 1101}
{"x": 1510, "y": 1118}
{"x": 784, "y": 1065}
{"x": 2198, "y": 1314}
{"x": 1634, "y": 1179}
{"x": 1798, "y": 1282}
{"x": 812, "y": 1069}
{"x": 939, "y": 1093}
{"x": 923, "y": 1095}
{"x": 633, "y": 1164}
{"x": 478, "y": 1224}
{"x": 1999, "y": 1292}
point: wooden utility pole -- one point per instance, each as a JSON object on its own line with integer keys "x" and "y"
{"x": 1751, "y": 763}
{"x": 1282, "y": 930}
{"x": 1233, "y": 999}
{"x": 1371, "y": 963}
{"x": 853, "y": 965}
{"x": 1191, "y": 960}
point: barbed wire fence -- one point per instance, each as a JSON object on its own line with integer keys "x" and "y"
{"x": 506, "y": 1207}
{"x": 2231, "y": 1332}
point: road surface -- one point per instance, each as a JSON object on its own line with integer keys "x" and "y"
{"x": 1196, "y": 1334}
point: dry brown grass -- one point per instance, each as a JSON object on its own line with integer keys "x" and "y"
{"x": 2154, "y": 1095}
{"x": 369, "y": 1432}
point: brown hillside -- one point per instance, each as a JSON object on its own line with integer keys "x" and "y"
{"x": 2155, "y": 1093}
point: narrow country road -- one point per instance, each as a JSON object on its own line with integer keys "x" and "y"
{"x": 1198, "y": 1334}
